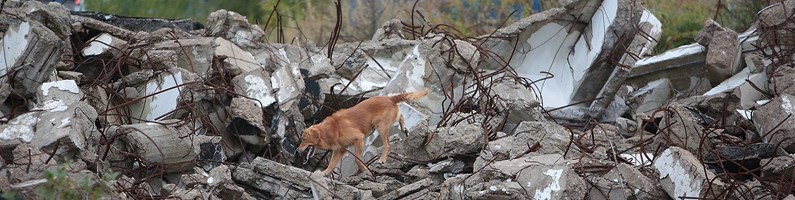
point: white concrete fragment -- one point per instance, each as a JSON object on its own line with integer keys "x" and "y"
{"x": 64, "y": 85}
{"x": 162, "y": 96}
{"x": 14, "y": 42}
{"x": 654, "y": 32}
{"x": 16, "y": 131}
{"x": 680, "y": 51}
{"x": 52, "y": 106}
{"x": 546, "y": 193}
{"x": 258, "y": 90}
{"x": 683, "y": 175}
{"x": 98, "y": 45}
{"x": 747, "y": 114}
{"x": 747, "y": 93}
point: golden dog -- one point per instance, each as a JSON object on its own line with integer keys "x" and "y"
{"x": 350, "y": 126}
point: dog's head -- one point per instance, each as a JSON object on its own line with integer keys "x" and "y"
{"x": 309, "y": 138}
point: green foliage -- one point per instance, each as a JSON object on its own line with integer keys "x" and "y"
{"x": 60, "y": 185}
{"x": 683, "y": 19}
{"x": 8, "y": 195}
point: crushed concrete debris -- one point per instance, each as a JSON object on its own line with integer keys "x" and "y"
{"x": 569, "y": 103}
{"x": 681, "y": 175}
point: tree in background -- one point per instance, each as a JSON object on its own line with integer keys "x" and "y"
{"x": 314, "y": 20}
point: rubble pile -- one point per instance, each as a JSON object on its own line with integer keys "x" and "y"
{"x": 568, "y": 103}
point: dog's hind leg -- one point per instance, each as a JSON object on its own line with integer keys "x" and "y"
{"x": 402, "y": 123}
{"x": 359, "y": 144}
{"x": 383, "y": 132}
{"x": 335, "y": 160}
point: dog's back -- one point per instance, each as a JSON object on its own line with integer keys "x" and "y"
{"x": 372, "y": 112}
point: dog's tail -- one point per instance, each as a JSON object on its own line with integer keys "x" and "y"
{"x": 409, "y": 96}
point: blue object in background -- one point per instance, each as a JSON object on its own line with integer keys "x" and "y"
{"x": 536, "y": 6}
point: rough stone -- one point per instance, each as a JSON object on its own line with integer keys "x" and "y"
{"x": 284, "y": 181}
{"x": 780, "y": 167}
{"x": 625, "y": 182}
{"x": 233, "y": 27}
{"x": 457, "y": 140}
{"x": 777, "y": 13}
{"x": 711, "y": 27}
{"x": 407, "y": 190}
{"x": 683, "y": 127}
{"x": 723, "y": 55}
{"x": 683, "y": 175}
{"x": 389, "y": 30}
{"x": 774, "y": 119}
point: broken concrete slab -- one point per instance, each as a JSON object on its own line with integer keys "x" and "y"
{"x": 136, "y": 24}
{"x": 540, "y": 137}
{"x": 683, "y": 127}
{"x": 625, "y": 182}
{"x": 540, "y": 38}
{"x": 32, "y": 45}
{"x": 158, "y": 144}
{"x": 105, "y": 44}
{"x": 162, "y": 95}
{"x": 247, "y": 123}
{"x": 543, "y": 177}
{"x": 744, "y": 84}
{"x": 774, "y": 121}
{"x": 518, "y": 102}
{"x": 237, "y": 60}
{"x": 197, "y": 55}
{"x": 233, "y": 27}
{"x": 776, "y": 14}
{"x": 678, "y": 65}
{"x": 61, "y": 114}
{"x": 780, "y": 167}
{"x": 256, "y": 84}
{"x": 407, "y": 190}
{"x": 282, "y": 181}
{"x": 652, "y": 96}
{"x": 682, "y": 175}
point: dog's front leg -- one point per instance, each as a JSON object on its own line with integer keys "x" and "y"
{"x": 359, "y": 144}
{"x": 335, "y": 159}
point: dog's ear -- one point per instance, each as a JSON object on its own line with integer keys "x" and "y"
{"x": 310, "y": 134}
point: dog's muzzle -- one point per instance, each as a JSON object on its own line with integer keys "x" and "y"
{"x": 310, "y": 151}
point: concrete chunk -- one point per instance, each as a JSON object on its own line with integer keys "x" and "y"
{"x": 233, "y": 27}
{"x": 30, "y": 51}
{"x": 458, "y": 140}
{"x": 104, "y": 44}
{"x": 159, "y": 144}
{"x": 770, "y": 119}
{"x": 683, "y": 176}
{"x": 247, "y": 122}
{"x": 723, "y": 55}
{"x": 256, "y": 84}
